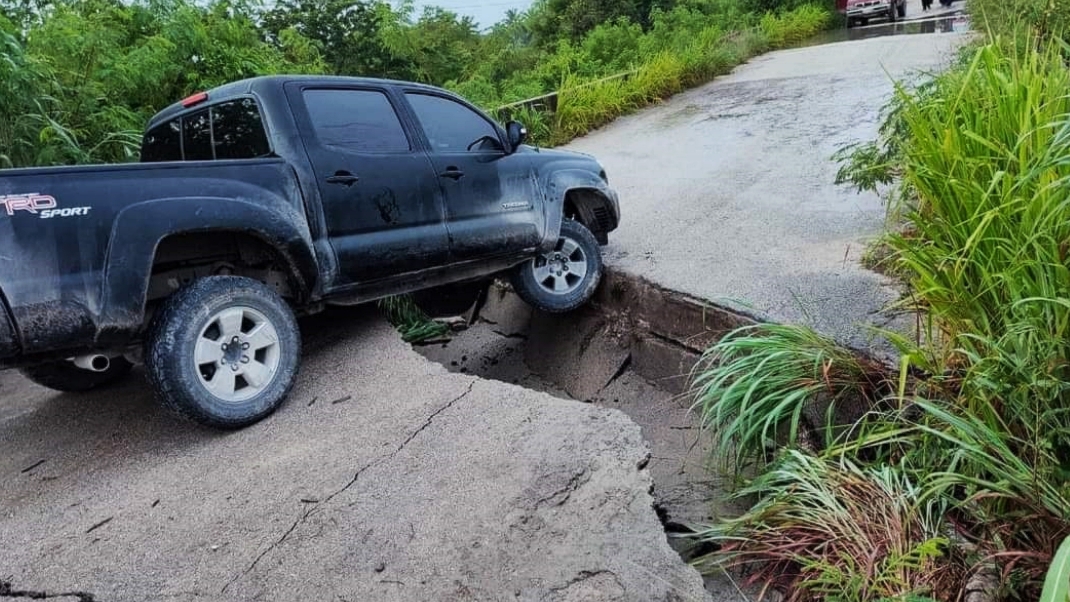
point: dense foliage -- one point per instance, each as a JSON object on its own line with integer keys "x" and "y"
{"x": 969, "y": 444}
{"x": 79, "y": 78}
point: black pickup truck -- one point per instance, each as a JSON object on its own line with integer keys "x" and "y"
{"x": 270, "y": 198}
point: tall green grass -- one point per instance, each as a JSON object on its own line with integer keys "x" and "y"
{"x": 769, "y": 385}
{"x": 1039, "y": 19}
{"x": 1057, "y": 582}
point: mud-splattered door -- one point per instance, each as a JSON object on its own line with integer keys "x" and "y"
{"x": 381, "y": 199}
{"x": 490, "y": 195}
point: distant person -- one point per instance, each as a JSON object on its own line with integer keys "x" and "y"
{"x": 926, "y": 4}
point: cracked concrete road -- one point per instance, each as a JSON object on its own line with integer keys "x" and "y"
{"x": 727, "y": 191}
{"x": 383, "y": 478}
{"x": 387, "y": 478}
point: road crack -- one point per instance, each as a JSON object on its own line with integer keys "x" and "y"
{"x": 586, "y": 576}
{"x": 562, "y": 494}
{"x": 315, "y": 506}
{"x": 6, "y": 591}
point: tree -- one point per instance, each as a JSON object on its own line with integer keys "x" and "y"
{"x": 348, "y": 33}
{"x": 572, "y": 19}
{"x": 93, "y": 71}
{"x": 440, "y": 45}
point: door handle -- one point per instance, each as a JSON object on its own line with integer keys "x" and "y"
{"x": 343, "y": 177}
{"x": 452, "y": 173}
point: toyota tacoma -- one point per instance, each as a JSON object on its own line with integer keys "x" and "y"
{"x": 267, "y": 199}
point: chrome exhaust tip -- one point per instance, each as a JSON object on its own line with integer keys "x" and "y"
{"x": 93, "y": 362}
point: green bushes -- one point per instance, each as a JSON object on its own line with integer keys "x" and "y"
{"x": 81, "y": 78}
{"x": 974, "y": 429}
{"x": 1045, "y": 18}
{"x": 794, "y": 26}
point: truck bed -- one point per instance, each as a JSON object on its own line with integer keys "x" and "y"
{"x": 73, "y": 239}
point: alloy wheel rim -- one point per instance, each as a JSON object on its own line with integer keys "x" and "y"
{"x": 237, "y": 354}
{"x": 562, "y": 270}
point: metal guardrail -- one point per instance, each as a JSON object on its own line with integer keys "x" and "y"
{"x": 547, "y": 103}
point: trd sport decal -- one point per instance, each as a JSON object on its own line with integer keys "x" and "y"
{"x": 41, "y": 205}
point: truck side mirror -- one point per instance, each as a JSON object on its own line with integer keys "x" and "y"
{"x": 516, "y": 134}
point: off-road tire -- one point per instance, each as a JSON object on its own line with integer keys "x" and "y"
{"x": 171, "y": 348}
{"x": 64, "y": 376}
{"x": 538, "y": 296}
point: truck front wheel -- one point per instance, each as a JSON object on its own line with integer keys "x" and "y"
{"x": 224, "y": 352}
{"x": 64, "y": 376}
{"x": 566, "y": 277}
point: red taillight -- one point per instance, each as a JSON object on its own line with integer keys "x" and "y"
{"x": 196, "y": 99}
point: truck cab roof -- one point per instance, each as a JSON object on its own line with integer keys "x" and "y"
{"x": 257, "y": 85}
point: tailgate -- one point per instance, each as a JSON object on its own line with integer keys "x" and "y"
{"x": 9, "y": 344}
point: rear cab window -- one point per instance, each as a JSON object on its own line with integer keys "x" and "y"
{"x": 229, "y": 130}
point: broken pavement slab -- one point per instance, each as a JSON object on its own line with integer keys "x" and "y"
{"x": 424, "y": 486}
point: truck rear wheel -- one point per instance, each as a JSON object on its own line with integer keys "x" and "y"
{"x": 64, "y": 376}
{"x": 224, "y": 352}
{"x": 565, "y": 278}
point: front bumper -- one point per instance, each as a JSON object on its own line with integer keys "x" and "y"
{"x": 614, "y": 200}
{"x": 875, "y": 9}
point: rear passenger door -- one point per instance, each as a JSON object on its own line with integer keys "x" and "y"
{"x": 490, "y": 208}
{"x": 380, "y": 195}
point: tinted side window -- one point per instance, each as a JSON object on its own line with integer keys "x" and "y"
{"x": 360, "y": 120}
{"x": 451, "y": 126}
{"x": 231, "y": 130}
{"x": 238, "y": 131}
{"x": 163, "y": 143}
{"x": 197, "y": 136}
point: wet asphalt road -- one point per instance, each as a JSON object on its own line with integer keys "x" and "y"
{"x": 727, "y": 191}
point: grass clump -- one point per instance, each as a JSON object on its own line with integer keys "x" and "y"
{"x": 825, "y": 529}
{"x": 768, "y": 385}
{"x": 412, "y": 322}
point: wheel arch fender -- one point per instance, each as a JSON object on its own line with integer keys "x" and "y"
{"x": 582, "y": 195}
{"x": 139, "y": 229}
